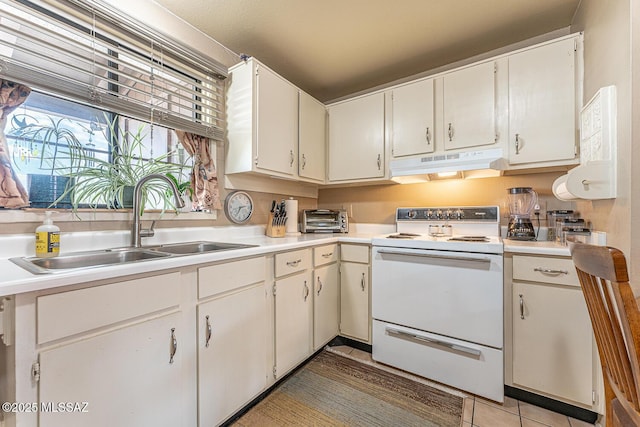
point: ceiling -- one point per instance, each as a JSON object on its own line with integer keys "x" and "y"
{"x": 333, "y": 48}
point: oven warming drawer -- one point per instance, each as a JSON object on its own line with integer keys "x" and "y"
{"x": 471, "y": 367}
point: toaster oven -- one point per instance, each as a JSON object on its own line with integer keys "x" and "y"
{"x": 324, "y": 221}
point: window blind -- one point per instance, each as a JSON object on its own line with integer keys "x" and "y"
{"x": 89, "y": 52}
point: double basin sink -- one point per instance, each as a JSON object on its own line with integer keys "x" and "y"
{"x": 120, "y": 256}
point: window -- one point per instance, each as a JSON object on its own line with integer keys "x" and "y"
{"x": 45, "y": 132}
{"x": 88, "y": 65}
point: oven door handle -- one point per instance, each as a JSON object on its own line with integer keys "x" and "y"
{"x": 467, "y": 351}
{"x": 427, "y": 255}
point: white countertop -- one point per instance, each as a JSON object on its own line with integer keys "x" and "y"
{"x": 15, "y": 279}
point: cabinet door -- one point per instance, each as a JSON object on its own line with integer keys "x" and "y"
{"x": 312, "y": 139}
{"x": 232, "y": 353}
{"x": 552, "y": 344}
{"x": 542, "y": 104}
{"x": 293, "y": 311}
{"x": 276, "y": 122}
{"x": 326, "y": 303}
{"x": 413, "y": 118}
{"x": 354, "y": 300}
{"x": 126, "y": 377}
{"x": 469, "y": 107}
{"x": 356, "y": 139}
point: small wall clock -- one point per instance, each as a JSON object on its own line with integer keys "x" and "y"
{"x": 238, "y": 207}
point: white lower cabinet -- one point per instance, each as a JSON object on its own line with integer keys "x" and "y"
{"x": 127, "y": 377}
{"x": 552, "y": 350}
{"x": 355, "y": 313}
{"x": 293, "y": 310}
{"x": 326, "y": 295}
{"x": 231, "y": 353}
{"x": 118, "y": 355}
{"x": 232, "y": 337}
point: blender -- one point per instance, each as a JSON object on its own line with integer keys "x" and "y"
{"x": 522, "y": 201}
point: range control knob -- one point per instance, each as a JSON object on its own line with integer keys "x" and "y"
{"x": 459, "y": 214}
{"x": 412, "y": 213}
{"x": 439, "y": 214}
{"x": 429, "y": 214}
{"x": 448, "y": 214}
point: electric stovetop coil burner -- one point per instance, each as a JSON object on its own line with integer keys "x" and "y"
{"x": 458, "y": 228}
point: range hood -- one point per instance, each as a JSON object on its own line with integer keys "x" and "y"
{"x": 467, "y": 164}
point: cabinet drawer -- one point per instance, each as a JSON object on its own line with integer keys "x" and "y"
{"x": 560, "y": 271}
{"x": 216, "y": 279}
{"x": 354, "y": 253}
{"x": 68, "y": 313}
{"x": 325, "y": 255}
{"x": 292, "y": 262}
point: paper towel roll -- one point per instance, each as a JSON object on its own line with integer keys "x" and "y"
{"x": 560, "y": 190}
{"x": 291, "y": 206}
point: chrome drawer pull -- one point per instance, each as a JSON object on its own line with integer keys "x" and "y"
{"x": 319, "y": 286}
{"x": 521, "y": 307}
{"x": 472, "y": 352}
{"x": 306, "y": 291}
{"x": 362, "y": 282}
{"x": 550, "y": 270}
{"x": 294, "y": 263}
{"x": 327, "y": 255}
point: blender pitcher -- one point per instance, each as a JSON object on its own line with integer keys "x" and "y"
{"x": 521, "y": 201}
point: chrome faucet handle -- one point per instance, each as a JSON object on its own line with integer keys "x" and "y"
{"x": 148, "y": 232}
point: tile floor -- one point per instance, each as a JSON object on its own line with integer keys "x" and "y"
{"x": 479, "y": 412}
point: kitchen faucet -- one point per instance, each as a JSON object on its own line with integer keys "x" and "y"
{"x": 136, "y": 232}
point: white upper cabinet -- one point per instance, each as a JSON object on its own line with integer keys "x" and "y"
{"x": 262, "y": 110}
{"x": 413, "y": 119}
{"x": 469, "y": 104}
{"x": 357, "y": 139}
{"x": 312, "y": 139}
{"x": 542, "y": 103}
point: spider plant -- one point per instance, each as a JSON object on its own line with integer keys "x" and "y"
{"x": 106, "y": 182}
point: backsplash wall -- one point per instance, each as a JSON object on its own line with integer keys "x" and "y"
{"x": 377, "y": 203}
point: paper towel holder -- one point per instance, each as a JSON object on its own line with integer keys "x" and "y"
{"x": 596, "y": 177}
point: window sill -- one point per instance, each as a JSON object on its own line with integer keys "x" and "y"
{"x": 64, "y": 215}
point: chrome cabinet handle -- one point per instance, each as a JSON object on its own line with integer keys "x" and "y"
{"x": 362, "y": 282}
{"x": 429, "y": 255}
{"x": 450, "y": 132}
{"x": 294, "y": 263}
{"x": 517, "y": 143}
{"x": 521, "y": 307}
{"x": 428, "y": 136}
{"x": 306, "y": 290}
{"x": 174, "y": 345}
{"x": 291, "y": 158}
{"x": 208, "y": 336}
{"x": 327, "y": 255}
{"x": 304, "y": 161}
{"x": 319, "y": 286}
{"x": 379, "y": 162}
{"x": 550, "y": 270}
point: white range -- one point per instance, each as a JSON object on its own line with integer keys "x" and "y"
{"x": 437, "y": 297}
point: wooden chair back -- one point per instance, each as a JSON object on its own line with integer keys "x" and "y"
{"x": 616, "y": 325}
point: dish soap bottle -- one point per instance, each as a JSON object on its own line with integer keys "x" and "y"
{"x": 47, "y": 238}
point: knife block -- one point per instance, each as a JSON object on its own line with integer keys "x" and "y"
{"x": 276, "y": 227}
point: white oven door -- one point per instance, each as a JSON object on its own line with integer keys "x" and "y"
{"x": 455, "y": 294}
